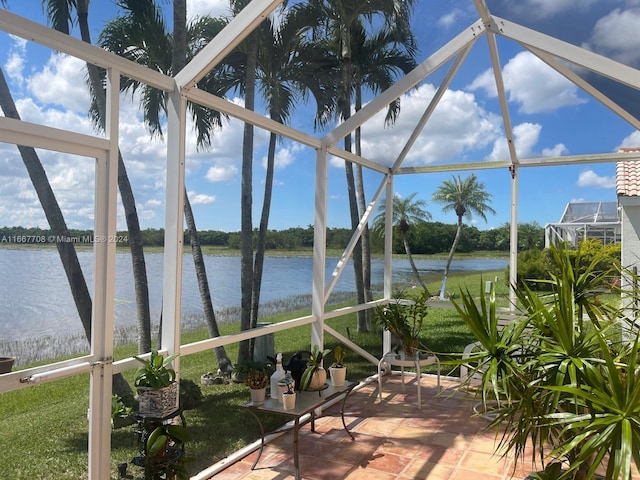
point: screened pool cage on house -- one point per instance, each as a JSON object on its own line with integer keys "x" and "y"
{"x": 615, "y": 85}
{"x": 585, "y": 220}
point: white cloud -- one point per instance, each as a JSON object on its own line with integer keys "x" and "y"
{"x": 284, "y": 157}
{"x": 458, "y": 125}
{"x": 557, "y": 151}
{"x": 548, "y": 8}
{"x": 632, "y": 141}
{"x": 214, "y": 8}
{"x": 220, "y": 173}
{"x": 201, "y": 198}
{"x": 16, "y": 60}
{"x": 591, "y": 179}
{"x": 532, "y": 84}
{"x": 451, "y": 18}
{"x": 616, "y": 36}
{"x": 61, "y": 82}
{"x": 525, "y": 138}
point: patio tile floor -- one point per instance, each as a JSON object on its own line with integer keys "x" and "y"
{"x": 394, "y": 440}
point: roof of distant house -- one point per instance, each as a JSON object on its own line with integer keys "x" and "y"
{"x": 628, "y": 175}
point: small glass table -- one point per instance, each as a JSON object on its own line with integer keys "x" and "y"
{"x": 401, "y": 360}
{"x": 307, "y": 402}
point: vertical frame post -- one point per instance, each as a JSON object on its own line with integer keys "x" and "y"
{"x": 388, "y": 254}
{"x": 513, "y": 248}
{"x": 174, "y": 224}
{"x": 319, "y": 248}
{"x": 104, "y": 252}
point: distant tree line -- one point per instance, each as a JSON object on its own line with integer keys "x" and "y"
{"x": 425, "y": 238}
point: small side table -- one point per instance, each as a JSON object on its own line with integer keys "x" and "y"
{"x": 400, "y": 360}
{"x": 306, "y": 403}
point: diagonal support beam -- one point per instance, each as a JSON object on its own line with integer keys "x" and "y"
{"x": 405, "y": 84}
{"x": 432, "y": 106}
{"x": 530, "y": 39}
{"x": 572, "y": 76}
{"x": 502, "y": 96}
{"x": 230, "y": 36}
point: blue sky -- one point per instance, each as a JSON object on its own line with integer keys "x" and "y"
{"x": 550, "y": 117}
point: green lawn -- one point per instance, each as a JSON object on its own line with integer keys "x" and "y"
{"x": 44, "y": 428}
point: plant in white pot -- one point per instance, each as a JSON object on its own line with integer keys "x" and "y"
{"x": 256, "y": 376}
{"x": 338, "y": 369}
{"x": 289, "y": 395}
{"x": 315, "y": 376}
{"x": 156, "y": 383}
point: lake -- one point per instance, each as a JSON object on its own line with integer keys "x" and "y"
{"x": 35, "y": 300}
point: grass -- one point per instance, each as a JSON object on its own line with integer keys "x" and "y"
{"x": 45, "y": 429}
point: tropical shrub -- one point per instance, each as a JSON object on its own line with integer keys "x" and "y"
{"x": 566, "y": 381}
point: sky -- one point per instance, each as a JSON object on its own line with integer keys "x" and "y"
{"x": 550, "y": 117}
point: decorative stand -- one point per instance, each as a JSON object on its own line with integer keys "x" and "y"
{"x": 401, "y": 360}
{"x": 146, "y": 425}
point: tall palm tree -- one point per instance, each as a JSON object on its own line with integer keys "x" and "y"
{"x": 406, "y": 214}
{"x": 141, "y": 35}
{"x": 336, "y": 20}
{"x": 288, "y": 69}
{"x": 465, "y": 197}
{"x": 53, "y": 213}
{"x": 378, "y": 60}
{"x": 59, "y": 14}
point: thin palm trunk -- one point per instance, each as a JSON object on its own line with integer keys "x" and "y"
{"x": 262, "y": 231}
{"x": 245, "y": 350}
{"x": 362, "y": 204}
{"x": 456, "y": 240}
{"x": 177, "y": 63}
{"x": 128, "y": 203}
{"x": 351, "y": 192}
{"x": 407, "y": 250}
{"x": 66, "y": 250}
{"x": 224, "y": 363}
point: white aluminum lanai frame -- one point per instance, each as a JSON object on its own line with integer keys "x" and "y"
{"x": 181, "y": 89}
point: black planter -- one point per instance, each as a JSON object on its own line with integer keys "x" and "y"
{"x": 6, "y": 364}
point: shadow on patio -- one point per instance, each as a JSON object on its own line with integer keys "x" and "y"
{"x": 394, "y": 440}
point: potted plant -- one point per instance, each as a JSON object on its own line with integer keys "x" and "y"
{"x": 315, "y": 376}
{"x": 255, "y": 375}
{"x": 403, "y": 318}
{"x": 565, "y": 378}
{"x": 163, "y": 456}
{"x": 289, "y": 393}
{"x": 6, "y": 364}
{"x": 338, "y": 370}
{"x": 156, "y": 384}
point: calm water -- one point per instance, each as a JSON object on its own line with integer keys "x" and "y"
{"x": 35, "y": 299}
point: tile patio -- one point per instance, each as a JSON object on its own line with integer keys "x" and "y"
{"x": 394, "y": 440}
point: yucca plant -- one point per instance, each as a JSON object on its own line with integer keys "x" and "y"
{"x": 567, "y": 381}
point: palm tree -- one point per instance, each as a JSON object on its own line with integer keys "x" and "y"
{"x": 336, "y": 20}
{"x": 128, "y": 36}
{"x": 530, "y": 236}
{"x": 465, "y": 197}
{"x": 52, "y": 211}
{"x": 59, "y": 15}
{"x": 406, "y": 213}
{"x": 287, "y": 70}
{"x": 378, "y": 60}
